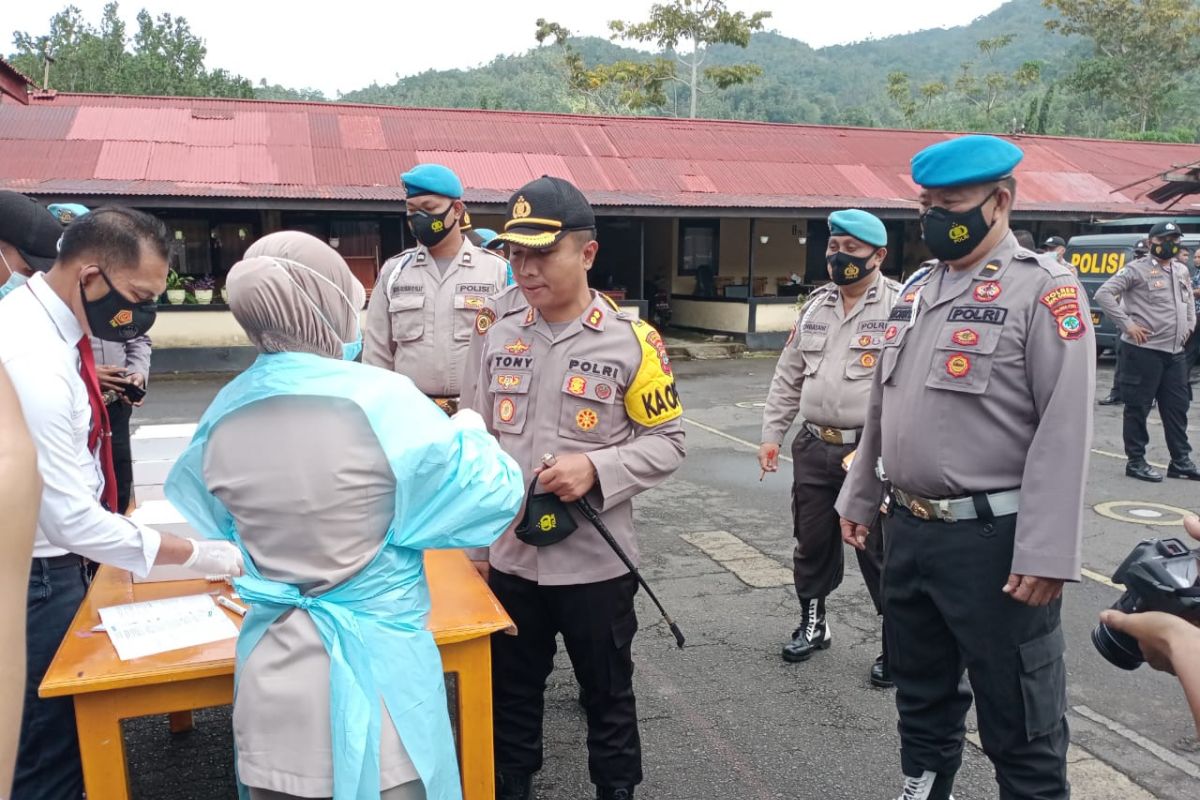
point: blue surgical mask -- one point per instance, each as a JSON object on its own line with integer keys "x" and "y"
{"x": 15, "y": 279}
{"x": 352, "y": 350}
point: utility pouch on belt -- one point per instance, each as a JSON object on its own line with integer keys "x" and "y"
{"x": 546, "y": 521}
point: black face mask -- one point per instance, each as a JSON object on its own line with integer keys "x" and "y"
{"x": 951, "y": 235}
{"x": 847, "y": 269}
{"x": 430, "y": 230}
{"x": 546, "y": 520}
{"x": 116, "y": 319}
{"x": 1165, "y": 251}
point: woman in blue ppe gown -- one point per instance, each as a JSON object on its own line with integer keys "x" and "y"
{"x": 333, "y": 478}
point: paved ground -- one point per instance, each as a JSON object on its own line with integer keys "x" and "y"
{"x": 726, "y": 717}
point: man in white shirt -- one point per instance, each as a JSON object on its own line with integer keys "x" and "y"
{"x": 110, "y": 270}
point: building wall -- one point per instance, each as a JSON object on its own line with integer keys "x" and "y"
{"x": 710, "y": 315}
{"x": 775, "y": 317}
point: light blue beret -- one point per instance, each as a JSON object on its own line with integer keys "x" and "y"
{"x": 432, "y": 179}
{"x": 965, "y": 160}
{"x": 864, "y": 226}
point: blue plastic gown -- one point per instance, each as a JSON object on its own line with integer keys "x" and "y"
{"x": 454, "y": 488}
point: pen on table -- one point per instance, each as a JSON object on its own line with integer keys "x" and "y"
{"x": 225, "y": 602}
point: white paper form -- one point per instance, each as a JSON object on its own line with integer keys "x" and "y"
{"x": 158, "y": 626}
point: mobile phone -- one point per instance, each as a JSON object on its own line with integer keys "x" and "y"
{"x": 133, "y": 393}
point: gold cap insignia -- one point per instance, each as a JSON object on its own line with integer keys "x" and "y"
{"x": 521, "y": 208}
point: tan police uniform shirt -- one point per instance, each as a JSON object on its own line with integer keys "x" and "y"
{"x": 602, "y": 387}
{"x": 494, "y": 307}
{"x": 419, "y": 320}
{"x": 312, "y": 494}
{"x": 1154, "y": 295}
{"x": 986, "y": 389}
{"x": 825, "y": 368}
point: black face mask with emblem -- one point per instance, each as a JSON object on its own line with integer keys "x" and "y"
{"x": 115, "y": 318}
{"x": 1165, "y": 251}
{"x": 951, "y": 235}
{"x": 431, "y": 229}
{"x": 546, "y": 520}
{"x": 846, "y": 269}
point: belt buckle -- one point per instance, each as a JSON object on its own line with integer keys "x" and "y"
{"x": 921, "y": 508}
{"x": 831, "y": 435}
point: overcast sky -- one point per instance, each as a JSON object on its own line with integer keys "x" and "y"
{"x": 341, "y": 45}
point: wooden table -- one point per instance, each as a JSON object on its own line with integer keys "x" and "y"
{"x": 108, "y": 690}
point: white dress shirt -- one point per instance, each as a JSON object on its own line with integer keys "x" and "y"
{"x": 39, "y": 337}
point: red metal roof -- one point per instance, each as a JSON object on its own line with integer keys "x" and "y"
{"x": 73, "y": 144}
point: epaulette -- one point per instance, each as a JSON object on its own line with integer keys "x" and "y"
{"x": 505, "y": 303}
{"x": 1048, "y": 262}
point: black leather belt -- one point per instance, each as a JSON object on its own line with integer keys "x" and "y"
{"x": 61, "y": 562}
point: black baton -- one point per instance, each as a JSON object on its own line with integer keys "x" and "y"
{"x": 593, "y": 517}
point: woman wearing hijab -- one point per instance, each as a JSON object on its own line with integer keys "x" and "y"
{"x": 333, "y": 477}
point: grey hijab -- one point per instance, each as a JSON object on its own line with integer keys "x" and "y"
{"x": 292, "y": 293}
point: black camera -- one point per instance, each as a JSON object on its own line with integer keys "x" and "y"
{"x": 1159, "y": 575}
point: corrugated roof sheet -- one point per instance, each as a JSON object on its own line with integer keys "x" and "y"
{"x": 194, "y": 147}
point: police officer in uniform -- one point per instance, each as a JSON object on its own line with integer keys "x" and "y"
{"x": 824, "y": 375}
{"x": 1057, "y": 247}
{"x": 980, "y": 421}
{"x": 423, "y": 309}
{"x": 1140, "y": 250}
{"x": 569, "y": 375}
{"x": 1150, "y": 300}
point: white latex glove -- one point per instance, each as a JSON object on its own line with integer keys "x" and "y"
{"x": 212, "y": 557}
{"x": 466, "y": 419}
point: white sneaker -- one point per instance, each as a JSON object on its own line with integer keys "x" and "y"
{"x": 919, "y": 788}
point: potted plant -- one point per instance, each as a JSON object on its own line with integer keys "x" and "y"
{"x": 202, "y": 289}
{"x": 176, "y": 293}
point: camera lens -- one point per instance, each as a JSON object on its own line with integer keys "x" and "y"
{"x": 1120, "y": 649}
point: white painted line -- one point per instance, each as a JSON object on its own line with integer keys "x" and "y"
{"x": 1153, "y": 748}
{"x": 1092, "y": 778}
{"x": 751, "y": 566}
{"x": 1098, "y": 578}
{"x": 731, "y": 437}
{"x": 1121, "y": 457}
{"x": 1095, "y": 576}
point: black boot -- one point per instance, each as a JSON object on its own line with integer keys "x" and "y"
{"x": 1183, "y": 468}
{"x": 881, "y": 676}
{"x": 1139, "y": 469}
{"x": 513, "y": 786}
{"x": 614, "y": 793}
{"x": 1113, "y": 399}
{"x": 812, "y": 635}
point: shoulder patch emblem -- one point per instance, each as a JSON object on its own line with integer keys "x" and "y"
{"x": 484, "y": 320}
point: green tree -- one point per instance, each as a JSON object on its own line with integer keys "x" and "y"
{"x": 274, "y": 91}
{"x": 621, "y": 87}
{"x": 164, "y": 57}
{"x": 697, "y": 25}
{"x": 1142, "y": 50}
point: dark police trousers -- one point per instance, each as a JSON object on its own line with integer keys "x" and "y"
{"x": 598, "y": 623}
{"x": 1149, "y": 375}
{"x": 817, "y": 562}
{"x": 119, "y": 414}
{"x": 48, "y": 766}
{"x": 945, "y": 613}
